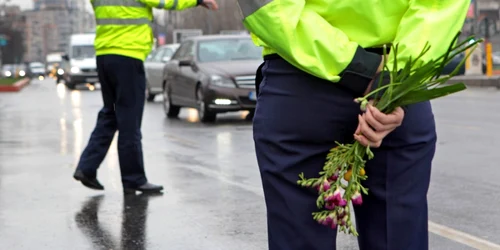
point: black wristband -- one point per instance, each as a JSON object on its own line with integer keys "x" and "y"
{"x": 360, "y": 72}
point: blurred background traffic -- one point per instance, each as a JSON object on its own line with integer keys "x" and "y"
{"x": 201, "y": 60}
{"x": 197, "y": 136}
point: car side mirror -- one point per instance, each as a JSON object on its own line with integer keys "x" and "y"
{"x": 185, "y": 63}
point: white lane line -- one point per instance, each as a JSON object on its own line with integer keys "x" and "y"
{"x": 461, "y": 237}
{"x": 443, "y": 231}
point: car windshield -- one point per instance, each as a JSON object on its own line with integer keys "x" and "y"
{"x": 83, "y": 51}
{"x": 169, "y": 52}
{"x": 8, "y": 67}
{"x": 228, "y": 50}
{"x": 54, "y": 58}
{"x": 35, "y": 65}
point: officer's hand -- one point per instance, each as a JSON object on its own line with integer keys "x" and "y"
{"x": 374, "y": 125}
{"x": 210, "y": 4}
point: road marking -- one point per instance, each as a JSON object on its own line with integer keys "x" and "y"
{"x": 443, "y": 231}
{"x": 461, "y": 126}
{"x": 461, "y": 237}
{"x": 182, "y": 141}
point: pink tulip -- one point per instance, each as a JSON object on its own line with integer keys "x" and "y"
{"x": 333, "y": 220}
{"x": 322, "y": 221}
{"x": 326, "y": 185}
{"x": 330, "y": 206}
{"x": 330, "y": 197}
{"x": 323, "y": 187}
{"x": 333, "y": 225}
{"x": 328, "y": 221}
{"x": 357, "y": 199}
{"x": 342, "y": 203}
{"x": 341, "y": 213}
{"x": 337, "y": 197}
{"x": 333, "y": 178}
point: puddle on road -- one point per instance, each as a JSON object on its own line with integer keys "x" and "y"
{"x": 11, "y": 142}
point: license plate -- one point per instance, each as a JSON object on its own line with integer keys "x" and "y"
{"x": 92, "y": 80}
{"x": 252, "y": 96}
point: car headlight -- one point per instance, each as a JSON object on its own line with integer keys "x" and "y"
{"x": 222, "y": 81}
{"x": 75, "y": 70}
{"x": 60, "y": 71}
{"x": 8, "y": 73}
{"x": 22, "y": 73}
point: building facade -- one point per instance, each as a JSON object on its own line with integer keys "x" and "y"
{"x": 12, "y": 24}
{"x": 49, "y": 26}
{"x": 49, "y": 4}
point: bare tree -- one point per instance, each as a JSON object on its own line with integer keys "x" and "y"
{"x": 228, "y": 17}
{"x": 14, "y": 50}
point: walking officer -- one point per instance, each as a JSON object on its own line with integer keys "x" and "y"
{"x": 318, "y": 57}
{"x": 124, "y": 38}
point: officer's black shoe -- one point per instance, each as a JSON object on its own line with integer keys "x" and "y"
{"x": 91, "y": 183}
{"x": 148, "y": 188}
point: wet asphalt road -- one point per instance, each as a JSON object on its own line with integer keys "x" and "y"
{"x": 213, "y": 198}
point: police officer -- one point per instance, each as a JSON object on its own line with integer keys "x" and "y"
{"x": 124, "y": 38}
{"x": 318, "y": 57}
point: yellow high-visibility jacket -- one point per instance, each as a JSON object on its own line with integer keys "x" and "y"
{"x": 123, "y": 27}
{"x": 328, "y": 38}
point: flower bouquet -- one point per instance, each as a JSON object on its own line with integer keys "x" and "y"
{"x": 340, "y": 182}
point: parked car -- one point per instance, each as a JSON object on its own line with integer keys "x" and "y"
{"x": 13, "y": 70}
{"x": 154, "y": 66}
{"x": 36, "y": 70}
{"x": 448, "y": 69}
{"x": 214, "y": 74}
{"x": 21, "y": 70}
{"x": 496, "y": 58}
{"x": 8, "y": 71}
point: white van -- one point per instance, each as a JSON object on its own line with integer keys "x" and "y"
{"x": 80, "y": 66}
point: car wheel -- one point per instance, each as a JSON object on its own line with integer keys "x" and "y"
{"x": 171, "y": 111}
{"x": 70, "y": 85}
{"x": 204, "y": 113}
{"x": 250, "y": 115}
{"x": 149, "y": 97}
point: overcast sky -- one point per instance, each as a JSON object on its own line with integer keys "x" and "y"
{"x": 28, "y": 4}
{"x": 25, "y": 4}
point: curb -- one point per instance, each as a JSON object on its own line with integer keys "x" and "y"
{"x": 477, "y": 81}
{"x": 16, "y": 87}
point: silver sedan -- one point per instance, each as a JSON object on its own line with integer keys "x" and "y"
{"x": 154, "y": 65}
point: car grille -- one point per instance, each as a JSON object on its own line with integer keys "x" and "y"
{"x": 246, "y": 101}
{"x": 88, "y": 70}
{"x": 245, "y": 81}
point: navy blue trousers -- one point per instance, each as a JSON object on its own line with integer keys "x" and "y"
{"x": 123, "y": 84}
{"x": 297, "y": 121}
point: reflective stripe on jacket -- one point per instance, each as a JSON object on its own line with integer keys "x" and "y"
{"x": 326, "y": 38}
{"x": 123, "y": 27}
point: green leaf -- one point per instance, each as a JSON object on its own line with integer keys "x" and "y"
{"x": 446, "y": 55}
{"x": 429, "y": 94}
